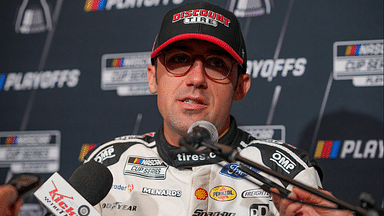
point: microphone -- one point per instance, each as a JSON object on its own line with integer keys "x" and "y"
{"x": 87, "y": 186}
{"x": 199, "y": 134}
{"x": 203, "y": 135}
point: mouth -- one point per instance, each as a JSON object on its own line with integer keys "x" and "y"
{"x": 193, "y": 104}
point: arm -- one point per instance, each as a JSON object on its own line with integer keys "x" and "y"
{"x": 290, "y": 208}
{"x": 9, "y": 202}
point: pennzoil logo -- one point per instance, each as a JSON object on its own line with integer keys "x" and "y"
{"x": 223, "y": 193}
{"x": 149, "y": 168}
{"x": 207, "y": 17}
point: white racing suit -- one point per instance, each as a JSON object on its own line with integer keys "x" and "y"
{"x": 151, "y": 177}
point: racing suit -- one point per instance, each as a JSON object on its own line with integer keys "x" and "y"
{"x": 152, "y": 177}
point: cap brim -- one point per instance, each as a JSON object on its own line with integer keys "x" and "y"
{"x": 205, "y": 37}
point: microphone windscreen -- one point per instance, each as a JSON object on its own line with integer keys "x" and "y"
{"x": 92, "y": 180}
{"x": 207, "y": 125}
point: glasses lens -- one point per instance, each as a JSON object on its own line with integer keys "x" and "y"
{"x": 178, "y": 62}
{"x": 217, "y": 66}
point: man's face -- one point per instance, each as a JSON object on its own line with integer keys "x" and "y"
{"x": 183, "y": 100}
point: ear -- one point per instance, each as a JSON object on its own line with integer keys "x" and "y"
{"x": 151, "y": 76}
{"x": 243, "y": 85}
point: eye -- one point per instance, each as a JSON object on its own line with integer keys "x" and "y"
{"x": 178, "y": 58}
{"x": 178, "y": 61}
{"x": 218, "y": 62}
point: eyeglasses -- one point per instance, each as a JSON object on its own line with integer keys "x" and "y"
{"x": 179, "y": 62}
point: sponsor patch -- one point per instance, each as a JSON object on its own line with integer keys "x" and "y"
{"x": 161, "y": 192}
{"x": 232, "y": 171}
{"x": 259, "y": 210}
{"x": 223, "y": 193}
{"x": 200, "y": 212}
{"x": 149, "y": 168}
{"x": 207, "y": 17}
{"x": 283, "y": 161}
{"x": 128, "y": 187}
{"x": 201, "y": 194}
{"x": 118, "y": 206}
{"x": 255, "y": 193}
{"x": 105, "y": 154}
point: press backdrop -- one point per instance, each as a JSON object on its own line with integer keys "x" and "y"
{"x": 73, "y": 75}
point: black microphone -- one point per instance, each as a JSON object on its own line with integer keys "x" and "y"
{"x": 203, "y": 136}
{"x": 88, "y": 185}
{"x": 199, "y": 134}
{"x": 92, "y": 180}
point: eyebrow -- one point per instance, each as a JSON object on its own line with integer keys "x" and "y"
{"x": 191, "y": 48}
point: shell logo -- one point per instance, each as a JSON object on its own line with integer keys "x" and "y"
{"x": 223, "y": 193}
{"x": 201, "y": 194}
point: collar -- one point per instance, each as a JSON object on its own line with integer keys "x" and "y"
{"x": 183, "y": 158}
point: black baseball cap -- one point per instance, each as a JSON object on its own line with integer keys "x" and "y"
{"x": 203, "y": 21}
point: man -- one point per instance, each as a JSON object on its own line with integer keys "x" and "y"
{"x": 10, "y": 204}
{"x": 289, "y": 208}
{"x": 198, "y": 70}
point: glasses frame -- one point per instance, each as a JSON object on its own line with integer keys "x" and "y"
{"x": 194, "y": 57}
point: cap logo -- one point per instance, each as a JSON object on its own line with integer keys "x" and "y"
{"x": 203, "y": 16}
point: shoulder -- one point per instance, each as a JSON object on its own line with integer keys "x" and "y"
{"x": 110, "y": 152}
{"x": 281, "y": 157}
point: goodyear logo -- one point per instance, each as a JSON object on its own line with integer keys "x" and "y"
{"x": 223, "y": 193}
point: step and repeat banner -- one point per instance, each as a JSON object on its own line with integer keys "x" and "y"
{"x": 73, "y": 75}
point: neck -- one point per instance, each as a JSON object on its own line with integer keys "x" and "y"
{"x": 173, "y": 136}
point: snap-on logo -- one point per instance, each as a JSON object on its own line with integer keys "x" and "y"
{"x": 283, "y": 161}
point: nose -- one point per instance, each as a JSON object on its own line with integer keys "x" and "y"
{"x": 196, "y": 75}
